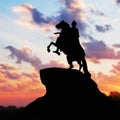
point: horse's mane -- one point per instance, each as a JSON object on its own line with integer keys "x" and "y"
{"x": 67, "y": 25}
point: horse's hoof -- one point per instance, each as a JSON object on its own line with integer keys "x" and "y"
{"x": 48, "y": 49}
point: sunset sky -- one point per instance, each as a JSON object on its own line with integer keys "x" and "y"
{"x": 27, "y": 27}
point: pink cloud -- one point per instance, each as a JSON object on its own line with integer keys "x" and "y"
{"x": 107, "y": 83}
{"x": 96, "y": 50}
{"x": 116, "y": 68}
{"x": 6, "y": 67}
{"x": 30, "y": 16}
{"x": 26, "y": 56}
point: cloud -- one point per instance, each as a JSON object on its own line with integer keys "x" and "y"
{"x": 6, "y": 67}
{"x": 73, "y": 3}
{"x": 71, "y": 10}
{"x": 116, "y": 68}
{"x": 34, "y": 14}
{"x": 24, "y": 89}
{"x": 107, "y": 83}
{"x": 8, "y": 72}
{"x": 74, "y": 9}
{"x": 116, "y": 45}
{"x": 103, "y": 29}
{"x": 96, "y": 12}
{"x": 21, "y": 55}
{"x": 97, "y": 50}
{"x": 25, "y": 55}
{"x": 31, "y": 16}
{"x": 12, "y": 75}
{"x": 12, "y": 80}
{"x": 118, "y": 2}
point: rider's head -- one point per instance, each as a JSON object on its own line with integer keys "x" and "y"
{"x": 74, "y": 23}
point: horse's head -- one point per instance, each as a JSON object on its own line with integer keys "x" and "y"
{"x": 62, "y": 24}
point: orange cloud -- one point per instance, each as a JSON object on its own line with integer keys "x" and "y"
{"x": 107, "y": 83}
{"x": 28, "y": 86}
{"x": 19, "y": 86}
{"x": 20, "y": 98}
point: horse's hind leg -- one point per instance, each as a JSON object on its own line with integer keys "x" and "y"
{"x": 80, "y": 64}
{"x": 85, "y": 68}
{"x": 69, "y": 62}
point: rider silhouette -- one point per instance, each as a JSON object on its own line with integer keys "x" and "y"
{"x": 76, "y": 46}
{"x": 75, "y": 32}
{"x": 74, "y": 36}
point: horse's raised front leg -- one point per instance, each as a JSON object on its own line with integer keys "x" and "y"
{"x": 48, "y": 47}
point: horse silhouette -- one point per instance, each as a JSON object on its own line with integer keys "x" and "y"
{"x": 66, "y": 43}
